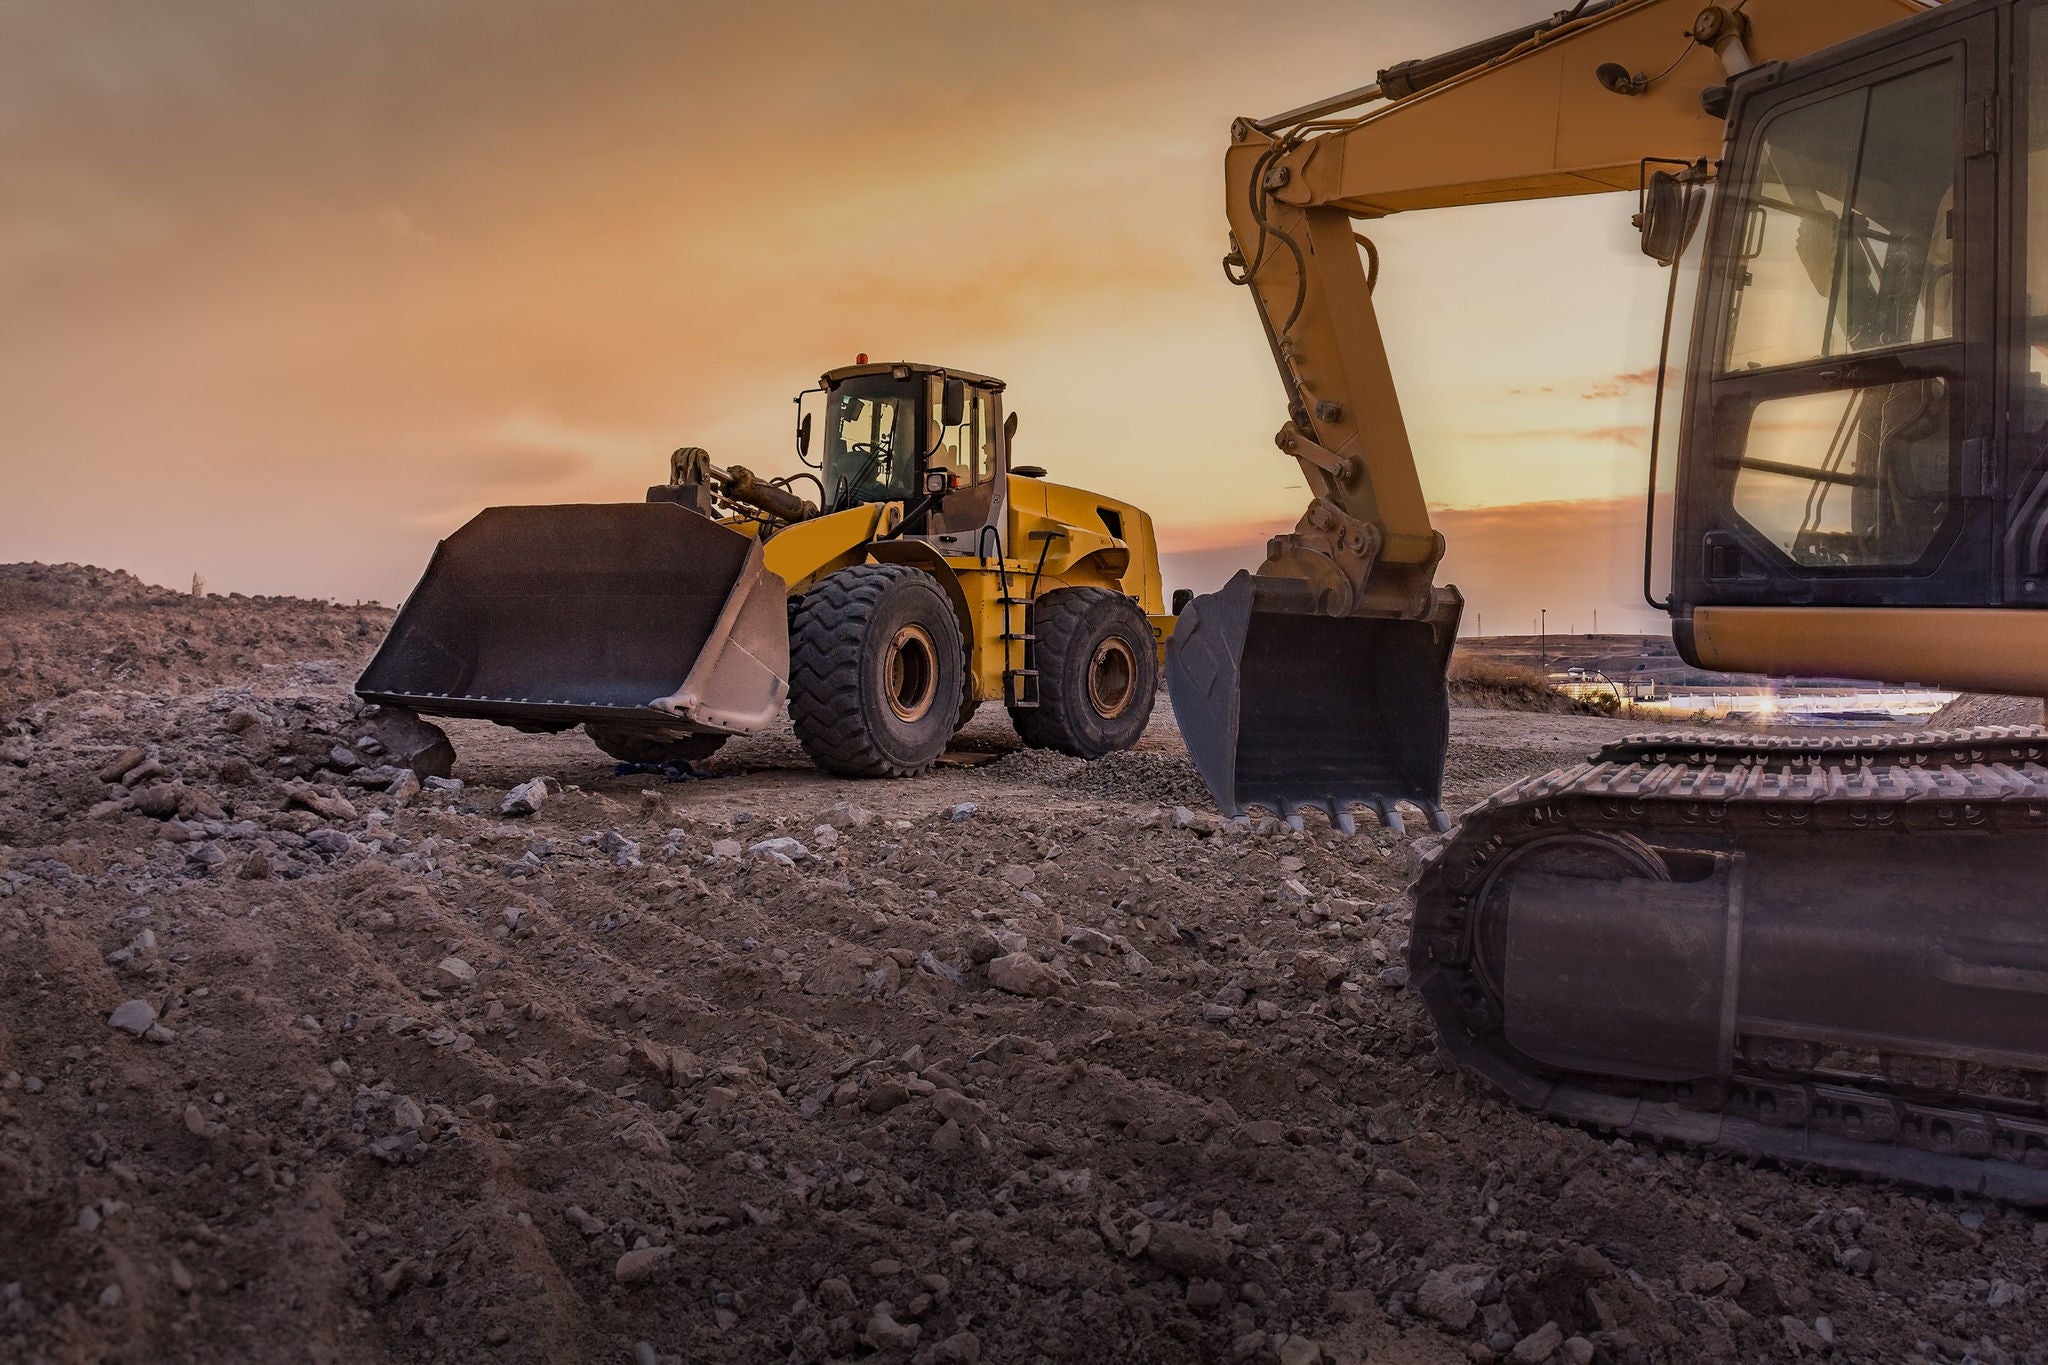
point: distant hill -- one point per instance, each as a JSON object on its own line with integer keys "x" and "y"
{"x": 71, "y": 627}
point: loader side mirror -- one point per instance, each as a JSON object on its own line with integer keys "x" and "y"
{"x": 803, "y": 435}
{"x": 1669, "y": 211}
{"x": 953, "y": 406}
{"x": 1010, "y": 428}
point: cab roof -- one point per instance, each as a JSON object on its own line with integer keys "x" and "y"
{"x": 889, "y": 367}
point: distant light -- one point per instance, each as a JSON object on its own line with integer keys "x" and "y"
{"x": 861, "y": 359}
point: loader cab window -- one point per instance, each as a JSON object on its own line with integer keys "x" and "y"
{"x": 966, "y": 451}
{"x": 1841, "y": 363}
{"x": 871, "y": 441}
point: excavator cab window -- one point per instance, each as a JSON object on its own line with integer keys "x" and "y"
{"x": 1839, "y": 376}
{"x": 870, "y": 441}
{"x": 1849, "y": 247}
{"x": 1849, "y": 231}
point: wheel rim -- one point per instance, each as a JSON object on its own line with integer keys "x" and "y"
{"x": 1112, "y": 678}
{"x": 910, "y": 673}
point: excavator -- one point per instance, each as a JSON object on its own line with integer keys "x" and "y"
{"x": 1819, "y": 951}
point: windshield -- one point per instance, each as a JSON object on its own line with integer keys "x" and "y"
{"x": 1848, "y": 243}
{"x": 870, "y": 441}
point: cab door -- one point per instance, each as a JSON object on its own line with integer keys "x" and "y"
{"x": 969, "y": 453}
{"x": 1842, "y": 434}
{"x": 2026, "y": 454}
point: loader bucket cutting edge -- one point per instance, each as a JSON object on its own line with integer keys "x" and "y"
{"x": 625, "y": 614}
{"x": 1285, "y": 708}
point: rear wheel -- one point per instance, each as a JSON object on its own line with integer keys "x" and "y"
{"x": 876, "y": 671}
{"x": 629, "y": 744}
{"x": 1098, "y": 672}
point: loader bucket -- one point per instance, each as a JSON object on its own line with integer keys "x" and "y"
{"x": 618, "y": 613}
{"x": 1285, "y": 708}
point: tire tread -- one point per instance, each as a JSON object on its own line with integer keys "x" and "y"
{"x": 1058, "y": 619}
{"x": 827, "y": 631}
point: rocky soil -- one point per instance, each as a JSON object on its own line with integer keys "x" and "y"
{"x": 64, "y": 627}
{"x": 1973, "y": 709}
{"x": 1028, "y": 1060}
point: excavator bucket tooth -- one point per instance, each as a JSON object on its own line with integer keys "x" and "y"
{"x": 1286, "y": 708}
{"x": 634, "y": 614}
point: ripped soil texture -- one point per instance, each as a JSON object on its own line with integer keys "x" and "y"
{"x": 1029, "y": 1059}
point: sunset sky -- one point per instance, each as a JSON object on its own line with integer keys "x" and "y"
{"x": 289, "y": 291}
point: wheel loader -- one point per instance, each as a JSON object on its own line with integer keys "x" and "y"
{"x": 926, "y": 575}
{"x": 1828, "y": 951}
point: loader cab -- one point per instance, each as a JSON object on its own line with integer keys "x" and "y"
{"x": 887, "y": 426}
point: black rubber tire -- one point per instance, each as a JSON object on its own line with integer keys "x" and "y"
{"x": 840, "y": 686}
{"x": 969, "y": 704}
{"x": 629, "y": 744}
{"x": 1080, "y": 629}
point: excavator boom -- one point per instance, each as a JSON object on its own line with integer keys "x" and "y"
{"x": 1318, "y": 681}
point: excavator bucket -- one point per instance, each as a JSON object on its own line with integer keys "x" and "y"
{"x": 1286, "y": 708}
{"x": 623, "y": 614}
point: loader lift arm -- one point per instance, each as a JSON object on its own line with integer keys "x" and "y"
{"x": 1570, "y": 105}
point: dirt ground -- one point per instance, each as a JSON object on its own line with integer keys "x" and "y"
{"x": 1971, "y": 709}
{"x": 70, "y": 626}
{"x": 1014, "y": 1062}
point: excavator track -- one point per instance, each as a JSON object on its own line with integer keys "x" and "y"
{"x": 1821, "y": 951}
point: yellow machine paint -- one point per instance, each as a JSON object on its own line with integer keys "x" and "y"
{"x": 1069, "y": 544}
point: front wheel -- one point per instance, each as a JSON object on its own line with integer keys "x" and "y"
{"x": 1098, "y": 672}
{"x": 876, "y": 671}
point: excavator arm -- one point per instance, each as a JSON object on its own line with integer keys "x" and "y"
{"x": 1319, "y": 679}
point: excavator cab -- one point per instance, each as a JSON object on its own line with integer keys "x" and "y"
{"x": 1847, "y": 470}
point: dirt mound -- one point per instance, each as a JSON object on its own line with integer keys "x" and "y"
{"x": 1479, "y": 681}
{"x": 1974, "y": 708}
{"x": 1010, "y": 1063}
{"x": 67, "y": 627}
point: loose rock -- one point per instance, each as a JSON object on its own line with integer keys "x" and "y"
{"x": 133, "y": 1016}
{"x": 526, "y": 798}
{"x": 1023, "y": 974}
{"x": 644, "y": 1264}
